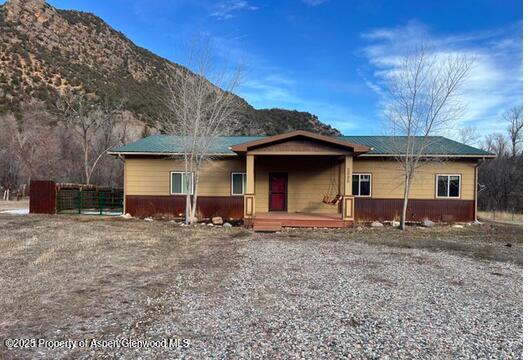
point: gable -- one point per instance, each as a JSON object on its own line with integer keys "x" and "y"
{"x": 300, "y": 146}
{"x": 299, "y": 142}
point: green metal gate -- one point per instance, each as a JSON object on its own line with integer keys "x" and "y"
{"x": 90, "y": 201}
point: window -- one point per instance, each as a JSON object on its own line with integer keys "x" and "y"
{"x": 448, "y": 186}
{"x": 239, "y": 183}
{"x": 178, "y": 184}
{"x": 362, "y": 184}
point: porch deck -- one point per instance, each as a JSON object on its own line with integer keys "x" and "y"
{"x": 274, "y": 221}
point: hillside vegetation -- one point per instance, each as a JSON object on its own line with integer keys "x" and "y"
{"x": 44, "y": 51}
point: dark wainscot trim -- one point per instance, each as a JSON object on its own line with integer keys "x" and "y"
{"x": 228, "y": 207}
{"x": 369, "y": 209}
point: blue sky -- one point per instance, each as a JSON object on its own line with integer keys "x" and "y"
{"x": 326, "y": 56}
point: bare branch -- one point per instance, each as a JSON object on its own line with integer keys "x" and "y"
{"x": 200, "y": 107}
{"x": 514, "y": 117}
{"x": 422, "y": 101}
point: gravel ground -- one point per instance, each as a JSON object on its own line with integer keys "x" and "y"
{"x": 317, "y": 299}
{"x": 366, "y": 293}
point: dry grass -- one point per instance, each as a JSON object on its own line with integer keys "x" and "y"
{"x": 501, "y": 216}
{"x": 84, "y": 276}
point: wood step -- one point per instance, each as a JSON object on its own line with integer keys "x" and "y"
{"x": 276, "y": 223}
{"x": 303, "y": 223}
{"x": 267, "y": 221}
{"x": 267, "y": 226}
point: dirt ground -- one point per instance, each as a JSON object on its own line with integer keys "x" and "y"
{"x": 90, "y": 277}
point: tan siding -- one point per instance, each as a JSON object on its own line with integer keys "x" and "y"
{"x": 151, "y": 176}
{"x": 308, "y": 181}
{"x": 387, "y": 178}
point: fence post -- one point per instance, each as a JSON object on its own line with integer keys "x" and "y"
{"x": 100, "y": 202}
{"x": 80, "y": 200}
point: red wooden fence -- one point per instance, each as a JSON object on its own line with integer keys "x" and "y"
{"x": 42, "y": 197}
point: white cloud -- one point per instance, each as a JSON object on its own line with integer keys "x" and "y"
{"x": 494, "y": 83}
{"x": 264, "y": 94}
{"x": 227, "y": 9}
{"x": 314, "y": 2}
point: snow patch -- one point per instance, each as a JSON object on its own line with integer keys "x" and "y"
{"x": 15, "y": 211}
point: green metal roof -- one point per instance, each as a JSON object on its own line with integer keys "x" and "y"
{"x": 380, "y": 145}
{"x": 437, "y": 145}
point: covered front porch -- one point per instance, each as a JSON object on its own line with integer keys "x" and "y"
{"x": 298, "y": 181}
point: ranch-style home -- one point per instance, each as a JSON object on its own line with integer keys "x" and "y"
{"x": 303, "y": 179}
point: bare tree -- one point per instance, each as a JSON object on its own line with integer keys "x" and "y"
{"x": 501, "y": 179}
{"x": 468, "y": 135}
{"x": 514, "y": 117}
{"x": 34, "y": 140}
{"x": 422, "y": 101}
{"x": 27, "y": 146}
{"x": 496, "y": 143}
{"x": 90, "y": 121}
{"x": 200, "y": 108}
{"x": 10, "y": 169}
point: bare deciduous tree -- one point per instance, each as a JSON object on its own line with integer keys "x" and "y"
{"x": 496, "y": 143}
{"x": 91, "y": 122}
{"x": 468, "y": 135}
{"x": 422, "y": 101}
{"x": 197, "y": 113}
{"x": 514, "y": 117}
{"x": 27, "y": 147}
{"x": 501, "y": 179}
{"x": 10, "y": 169}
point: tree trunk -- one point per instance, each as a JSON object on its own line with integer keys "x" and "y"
{"x": 188, "y": 209}
{"x": 405, "y": 203}
{"x": 195, "y": 193}
{"x": 87, "y": 171}
{"x": 194, "y": 206}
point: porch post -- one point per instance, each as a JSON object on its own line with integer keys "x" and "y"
{"x": 347, "y": 198}
{"x": 250, "y": 195}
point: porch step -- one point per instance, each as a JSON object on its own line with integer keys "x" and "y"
{"x": 267, "y": 225}
{"x": 314, "y": 223}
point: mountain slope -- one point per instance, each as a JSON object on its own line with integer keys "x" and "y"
{"x": 44, "y": 50}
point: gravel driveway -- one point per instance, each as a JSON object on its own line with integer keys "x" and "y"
{"x": 421, "y": 293}
{"x": 319, "y": 299}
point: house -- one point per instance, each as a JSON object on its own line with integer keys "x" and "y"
{"x": 303, "y": 179}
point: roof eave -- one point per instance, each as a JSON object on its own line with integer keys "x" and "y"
{"x": 477, "y": 156}
{"x": 160, "y": 153}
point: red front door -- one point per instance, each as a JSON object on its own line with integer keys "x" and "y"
{"x": 278, "y": 192}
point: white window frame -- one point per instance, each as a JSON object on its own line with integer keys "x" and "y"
{"x": 448, "y": 186}
{"x": 182, "y": 174}
{"x": 360, "y": 174}
{"x": 232, "y": 183}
